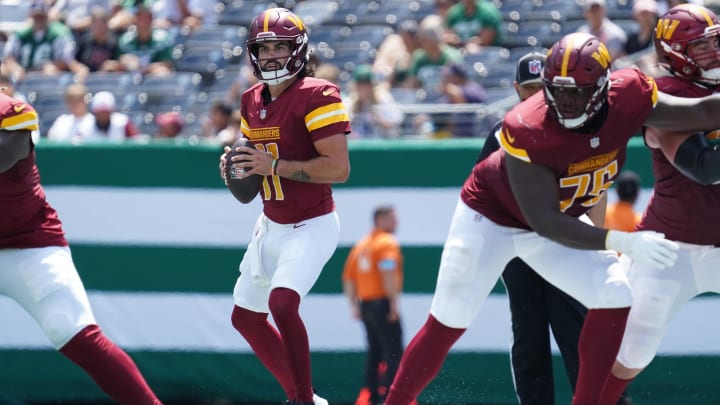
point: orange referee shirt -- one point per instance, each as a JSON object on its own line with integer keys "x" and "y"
{"x": 376, "y": 253}
{"x": 621, "y": 217}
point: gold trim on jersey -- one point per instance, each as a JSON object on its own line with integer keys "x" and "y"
{"x": 592, "y": 163}
{"x": 654, "y": 95}
{"x": 27, "y": 120}
{"x": 259, "y": 134}
{"x": 326, "y": 115}
{"x": 505, "y": 142}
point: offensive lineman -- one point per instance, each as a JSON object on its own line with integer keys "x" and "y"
{"x": 298, "y": 125}
{"x": 560, "y": 152}
{"x": 686, "y": 196}
{"x": 37, "y": 271}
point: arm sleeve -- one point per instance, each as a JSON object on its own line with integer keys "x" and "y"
{"x": 698, "y": 160}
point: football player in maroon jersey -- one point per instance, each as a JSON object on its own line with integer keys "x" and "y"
{"x": 560, "y": 151}
{"x": 687, "y": 194}
{"x": 298, "y": 125}
{"x": 37, "y": 270}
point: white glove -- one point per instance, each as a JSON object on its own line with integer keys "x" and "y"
{"x": 647, "y": 247}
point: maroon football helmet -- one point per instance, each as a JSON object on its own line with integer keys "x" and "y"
{"x": 278, "y": 24}
{"x": 576, "y": 78}
{"x": 686, "y": 41}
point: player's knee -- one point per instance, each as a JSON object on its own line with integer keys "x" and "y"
{"x": 636, "y": 357}
{"x": 283, "y": 303}
{"x": 452, "y": 312}
{"x": 638, "y": 348}
{"x": 623, "y": 372}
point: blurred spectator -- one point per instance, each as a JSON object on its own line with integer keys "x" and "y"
{"x": 621, "y": 214}
{"x": 75, "y": 14}
{"x": 645, "y": 13}
{"x": 106, "y": 122}
{"x": 473, "y": 24}
{"x": 459, "y": 88}
{"x": 665, "y": 5}
{"x": 442, "y": 7}
{"x": 219, "y": 119}
{"x": 98, "y": 48}
{"x": 329, "y": 72}
{"x": 394, "y": 55}
{"x": 232, "y": 133}
{"x": 171, "y": 14}
{"x": 373, "y": 112}
{"x": 123, "y": 14}
{"x": 599, "y": 25}
{"x": 67, "y": 126}
{"x": 169, "y": 124}
{"x": 146, "y": 49}
{"x": 432, "y": 55}
{"x": 7, "y": 86}
{"x": 42, "y": 46}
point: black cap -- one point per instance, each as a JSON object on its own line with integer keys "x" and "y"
{"x": 529, "y": 68}
{"x": 628, "y": 185}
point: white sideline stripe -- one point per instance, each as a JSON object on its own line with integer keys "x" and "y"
{"x": 201, "y": 322}
{"x": 212, "y": 218}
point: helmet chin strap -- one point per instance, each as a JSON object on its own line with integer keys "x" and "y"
{"x": 711, "y": 76}
{"x": 274, "y": 77}
{"x": 572, "y": 123}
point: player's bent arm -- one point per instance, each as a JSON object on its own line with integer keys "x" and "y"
{"x": 14, "y": 146}
{"x": 691, "y": 154}
{"x": 684, "y": 114}
{"x": 535, "y": 190}
{"x": 332, "y": 166}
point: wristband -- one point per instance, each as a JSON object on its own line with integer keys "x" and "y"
{"x": 274, "y": 166}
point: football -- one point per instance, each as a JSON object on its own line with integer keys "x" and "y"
{"x": 243, "y": 189}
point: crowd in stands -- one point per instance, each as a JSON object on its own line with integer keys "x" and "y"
{"x": 145, "y": 69}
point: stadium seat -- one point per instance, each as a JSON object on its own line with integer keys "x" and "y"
{"x": 501, "y": 74}
{"x": 487, "y": 55}
{"x": 111, "y": 81}
{"x": 14, "y": 15}
{"x": 374, "y": 34}
{"x": 572, "y": 25}
{"x": 204, "y": 60}
{"x": 533, "y": 33}
{"x": 38, "y": 82}
{"x": 556, "y": 10}
{"x": 241, "y": 13}
{"x": 515, "y": 10}
{"x": 386, "y": 13}
{"x": 315, "y": 12}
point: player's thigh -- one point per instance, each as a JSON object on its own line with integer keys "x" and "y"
{"x": 303, "y": 253}
{"x": 595, "y": 278}
{"x": 46, "y": 284}
{"x": 247, "y": 294}
{"x": 705, "y": 264}
{"x": 475, "y": 253}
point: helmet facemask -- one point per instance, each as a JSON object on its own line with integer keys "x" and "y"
{"x": 575, "y": 105}
{"x": 295, "y": 60}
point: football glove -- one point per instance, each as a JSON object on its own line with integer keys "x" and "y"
{"x": 648, "y": 247}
